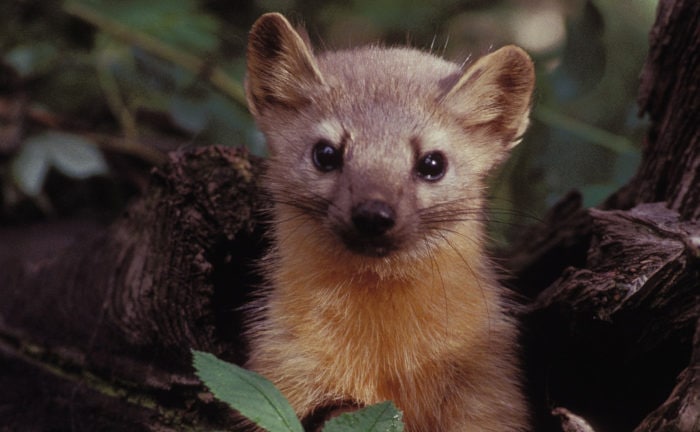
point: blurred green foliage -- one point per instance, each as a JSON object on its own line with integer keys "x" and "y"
{"x": 109, "y": 64}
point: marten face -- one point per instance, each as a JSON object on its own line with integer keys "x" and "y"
{"x": 369, "y": 183}
{"x": 377, "y": 189}
{"x": 383, "y": 151}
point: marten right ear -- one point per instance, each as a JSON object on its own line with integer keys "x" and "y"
{"x": 496, "y": 92}
{"x": 281, "y": 68}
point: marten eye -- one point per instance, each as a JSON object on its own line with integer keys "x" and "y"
{"x": 326, "y": 157}
{"x": 431, "y": 166}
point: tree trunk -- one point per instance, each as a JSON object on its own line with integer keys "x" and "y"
{"x": 96, "y": 332}
{"x": 614, "y": 329}
{"x": 669, "y": 94}
{"x": 96, "y": 328}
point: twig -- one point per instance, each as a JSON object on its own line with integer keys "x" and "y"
{"x": 595, "y": 135}
{"x": 214, "y": 74}
{"x": 114, "y": 100}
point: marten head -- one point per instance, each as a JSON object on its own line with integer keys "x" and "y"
{"x": 382, "y": 151}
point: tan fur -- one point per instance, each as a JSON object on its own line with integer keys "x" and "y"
{"x": 425, "y": 325}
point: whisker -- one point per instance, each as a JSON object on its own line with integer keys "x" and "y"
{"x": 474, "y": 276}
{"x": 440, "y": 231}
{"x": 435, "y": 267}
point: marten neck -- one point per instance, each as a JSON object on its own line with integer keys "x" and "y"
{"x": 451, "y": 287}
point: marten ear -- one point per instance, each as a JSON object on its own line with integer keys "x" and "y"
{"x": 495, "y": 92}
{"x": 281, "y": 68}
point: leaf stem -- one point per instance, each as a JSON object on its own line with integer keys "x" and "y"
{"x": 214, "y": 74}
{"x": 114, "y": 100}
{"x": 617, "y": 143}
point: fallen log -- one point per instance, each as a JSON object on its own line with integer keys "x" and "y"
{"x": 97, "y": 323}
{"x": 100, "y": 328}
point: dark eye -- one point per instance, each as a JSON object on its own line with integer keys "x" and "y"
{"x": 431, "y": 166}
{"x": 326, "y": 157}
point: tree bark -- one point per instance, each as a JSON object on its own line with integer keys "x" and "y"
{"x": 99, "y": 330}
{"x": 669, "y": 94}
{"x": 613, "y": 331}
{"x": 96, "y": 328}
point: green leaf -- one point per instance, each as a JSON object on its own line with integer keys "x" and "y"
{"x": 179, "y": 23}
{"x": 595, "y": 135}
{"x": 32, "y": 60}
{"x": 189, "y": 113}
{"x": 74, "y": 156}
{"x": 71, "y": 154}
{"x": 383, "y": 417}
{"x": 29, "y": 169}
{"x": 247, "y": 392}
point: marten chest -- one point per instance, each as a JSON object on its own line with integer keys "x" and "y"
{"x": 368, "y": 345}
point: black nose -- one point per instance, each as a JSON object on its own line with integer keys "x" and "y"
{"x": 373, "y": 218}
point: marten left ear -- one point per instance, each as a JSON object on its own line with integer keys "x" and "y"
{"x": 281, "y": 70}
{"x": 495, "y": 92}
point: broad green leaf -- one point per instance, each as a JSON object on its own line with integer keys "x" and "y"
{"x": 74, "y": 156}
{"x": 247, "y": 392}
{"x": 402, "y": 14}
{"x": 29, "y": 169}
{"x": 594, "y": 194}
{"x": 32, "y": 60}
{"x": 70, "y": 88}
{"x": 71, "y": 154}
{"x": 189, "y": 113}
{"x": 383, "y": 417}
{"x": 179, "y": 23}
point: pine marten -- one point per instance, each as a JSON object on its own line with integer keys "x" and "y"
{"x": 379, "y": 287}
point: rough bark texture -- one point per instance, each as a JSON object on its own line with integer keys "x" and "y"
{"x": 612, "y": 333}
{"x": 608, "y": 339}
{"x": 98, "y": 330}
{"x": 96, "y": 324}
{"x": 670, "y": 95}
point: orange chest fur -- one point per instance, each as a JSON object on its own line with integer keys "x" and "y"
{"x": 371, "y": 339}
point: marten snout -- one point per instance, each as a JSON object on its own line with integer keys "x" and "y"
{"x": 372, "y": 229}
{"x": 373, "y": 218}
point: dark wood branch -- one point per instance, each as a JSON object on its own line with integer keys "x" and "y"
{"x": 670, "y": 95}
{"x": 117, "y": 313}
{"x": 609, "y": 337}
{"x": 681, "y": 411}
{"x": 613, "y": 333}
